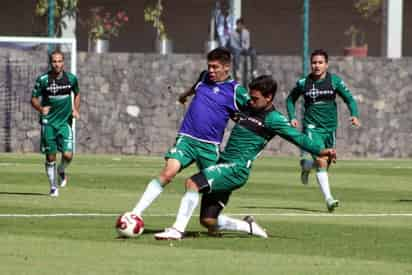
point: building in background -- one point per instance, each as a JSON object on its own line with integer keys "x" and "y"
{"x": 275, "y": 24}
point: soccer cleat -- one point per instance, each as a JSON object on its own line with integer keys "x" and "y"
{"x": 169, "y": 234}
{"x": 331, "y": 204}
{"x": 255, "y": 229}
{"x": 304, "y": 176}
{"x": 54, "y": 192}
{"x": 62, "y": 179}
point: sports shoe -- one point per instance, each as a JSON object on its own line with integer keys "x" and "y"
{"x": 169, "y": 234}
{"x": 62, "y": 179}
{"x": 54, "y": 192}
{"x": 304, "y": 176}
{"x": 255, "y": 229}
{"x": 331, "y": 204}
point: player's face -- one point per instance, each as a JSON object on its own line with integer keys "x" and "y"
{"x": 319, "y": 66}
{"x": 57, "y": 63}
{"x": 259, "y": 102}
{"x": 218, "y": 71}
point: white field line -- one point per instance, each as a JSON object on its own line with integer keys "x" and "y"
{"x": 328, "y": 215}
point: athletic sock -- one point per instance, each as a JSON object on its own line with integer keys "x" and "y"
{"x": 231, "y": 224}
{"x": 153, "y": 190}
{"x": 51, "y": 173}
{"x": 187, "y": 205}
{"x": 322, "y": 178}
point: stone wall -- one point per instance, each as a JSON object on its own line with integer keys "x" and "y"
{"x": 128, "y": 107}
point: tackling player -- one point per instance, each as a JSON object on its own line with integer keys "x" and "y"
{"x": 255, "y": 127}
{"x": 216, "y": 98}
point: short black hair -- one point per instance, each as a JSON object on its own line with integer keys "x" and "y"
{"x": 240, "y": 21}
{"x": 56, "y": 51}
{"x": 265, "y": 84}
{"x": 320, "y": 52}
{"x": 220, "y": 54}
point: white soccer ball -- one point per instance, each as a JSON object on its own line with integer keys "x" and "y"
{"x": 129, "y": 225}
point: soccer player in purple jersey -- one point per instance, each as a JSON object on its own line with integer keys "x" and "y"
{"x": 216, "y": 98}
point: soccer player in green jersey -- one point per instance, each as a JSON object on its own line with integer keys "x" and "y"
{"x": 56, "y": 114}
{"x": 254, "y": 128}
{"x": 319, "y": 90}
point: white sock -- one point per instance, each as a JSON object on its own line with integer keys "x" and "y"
{"x": 51, "y": 173}
{"x": 227, "y": 223}
{"x": 63, "y": 164}
{"x": 322, "y": 177}
{"x": 153, "y": 190}
{"x": 188, "y": 204}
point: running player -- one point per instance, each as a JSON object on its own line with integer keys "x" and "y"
{"x": 56, "y": 113}
{"x": 319, "y": 90}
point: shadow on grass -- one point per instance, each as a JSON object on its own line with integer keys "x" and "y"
{"x": 23, "y": 194}
{"x": 284, "y": 208}
{"x": 404, "y": 200}
{"x": 223, "y": 235}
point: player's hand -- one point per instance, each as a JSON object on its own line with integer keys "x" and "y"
{"x": 45, "y": 110}
{"x": 75, "y": 114}
{"x": 355, "y": 122}
{"x": 329, "y": 155}
{"x": 182, "y": 98}
{"x": 294, "y": 123}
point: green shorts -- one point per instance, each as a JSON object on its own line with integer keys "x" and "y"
{"x": 188, "y": 150}
{"x": 56, "y": 139}
{"x": 225, "y": 177}
{"x": 326, "y": 139}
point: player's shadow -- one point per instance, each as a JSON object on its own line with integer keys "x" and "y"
{"x": 404, "y": 200}
{"x": 23, "y": 194}
{"x": 224, "y": 235}
{"x": 304, "y": 209}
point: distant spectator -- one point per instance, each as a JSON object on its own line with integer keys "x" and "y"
{"x": 225, "y": 23}
{"x": 240, "y": 45}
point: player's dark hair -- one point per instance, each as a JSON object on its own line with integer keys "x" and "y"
{"x": 265, "y": 84}
{"x": 56, "y": 51}
{"x": 240, "y": 21}
{"x": 220, "y": 54}
{"x": 320, "y": 52}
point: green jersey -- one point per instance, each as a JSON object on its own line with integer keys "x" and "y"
{"x": 255, "y": 129}
{"x": 320, "y": 101}
{"x": 56, "y": 93}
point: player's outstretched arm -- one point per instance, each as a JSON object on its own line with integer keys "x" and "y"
{"x": 183, "y": 97}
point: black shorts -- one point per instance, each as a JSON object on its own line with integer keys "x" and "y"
{"x": 213, "y": 203}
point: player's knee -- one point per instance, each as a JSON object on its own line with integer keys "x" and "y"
{"x": 68, "y": 156}
{"x": 166, "y": 177}
{"x": 51, "y": 158}
{"x": 209, "y": 223}
{"x": 191, "y": 185}
{"x": 170, "y": 171}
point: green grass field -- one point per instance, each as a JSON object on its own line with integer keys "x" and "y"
{"x": 371, "y": 233}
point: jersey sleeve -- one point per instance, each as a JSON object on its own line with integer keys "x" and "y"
{"x": 242, "y": 97}
{"x": 293, "y": 97}
{"x": 343, "y": 91}
{"x": 279, "y": 125}
{"x": 74, "y": 83}
{"x": 36, "y": 92}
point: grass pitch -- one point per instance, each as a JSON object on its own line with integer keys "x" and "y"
{"x": 370, "y": 233}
